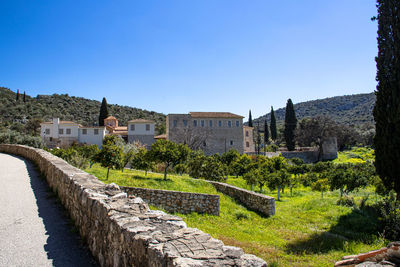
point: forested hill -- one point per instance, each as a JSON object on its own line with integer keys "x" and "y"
{"x": 65, "y": 107}
{"x": 348, "y": 109}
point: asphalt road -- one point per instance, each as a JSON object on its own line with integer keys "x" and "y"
{"x": 34, "y": 228}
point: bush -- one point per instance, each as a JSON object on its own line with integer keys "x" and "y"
{"x": 346, "y": 201}
{"x": 241, "y": 216}
{"x": 389, "y": 217}
{"x": 272, "y": 148}
{"x": 14, "y": 137}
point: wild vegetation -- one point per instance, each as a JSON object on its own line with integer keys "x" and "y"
{"x": 71, "y": 108}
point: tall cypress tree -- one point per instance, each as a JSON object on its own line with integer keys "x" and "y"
{"x": 273, "y": 125}
{"x": 250, "y": 119}
{"x": 290, "y": 125}
{"x": 24, "y": 97}
{"x": 387, "y": 106}
{"x": 17, "y": 97}
{"x": 266, "y": 132}
{"x": 103, "y": 112}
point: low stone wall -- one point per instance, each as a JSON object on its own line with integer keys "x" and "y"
{"x": 121, "y": 230}
{"x": 310, "y": 156}
{"x": 254, "y": 201}
{"x": 176, "y": 201}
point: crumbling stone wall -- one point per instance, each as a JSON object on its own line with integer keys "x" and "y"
{"x": 121, "y": 230}
{"x": 176, "y": 201}
{"x": 254, "y": 201}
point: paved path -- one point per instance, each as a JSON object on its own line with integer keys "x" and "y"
{"x": 34, "y": 228}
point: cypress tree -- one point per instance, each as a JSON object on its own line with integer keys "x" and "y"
{"x": 273, "y": 125}
{"x": 266, "y": 132}
{"x": 290, "y": 125}
{"x": 24, "y": 97}
{"x": 250, "y": 119}
{"x": 387, "y": 107}
{"x": 17, "y": 98}
{"x": 103, "y": 112}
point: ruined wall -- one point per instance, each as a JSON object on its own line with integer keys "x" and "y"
{"x": 254, "y": 201}
{"x": 121, "y": 230}
{"x": 176, "y": 201}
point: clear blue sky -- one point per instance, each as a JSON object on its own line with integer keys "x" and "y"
{"x": 197, "y": 55}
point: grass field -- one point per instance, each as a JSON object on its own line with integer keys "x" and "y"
{"x": 306, "y": 230}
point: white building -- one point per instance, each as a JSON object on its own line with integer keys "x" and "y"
{"x": 64, "y": 133}
{"x": 142, "y": 131}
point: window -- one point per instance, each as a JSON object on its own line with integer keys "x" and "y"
{"x": 219, "y": 123}
{"x": 175, "y": 123}
{"x": 84, "y": 131}
{"x": 202, "y": 123}
{"x": 147, "y": 127}
{"x": 68, "y": 131}
{"x": 96, "y": 131}
{"x": 132, "y": 127}
{"x": 237, "y": 123}
{"x": 60, "y": 131}
{"x": 231, "y": 142}
{"x": 229, "y": 124}
{"x": 247, "y": 144}
{"x": 247, "y": 133}
{"x": 47, "y": 131}
{"x": 185, "y": 122}
{"x": 195, "y": 123}
{"x": 210, "y": 123}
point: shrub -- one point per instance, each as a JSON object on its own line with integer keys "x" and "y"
{"x": 241, "y": 216}
{"x": 346, "y": 201}
{"x": 272, "y": 148}
{"x": 389, "y": 217}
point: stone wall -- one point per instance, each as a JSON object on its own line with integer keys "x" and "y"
{"x": 121, "y": 230}
{"x": 175, "y": 201}
{"x": 254, "y": 201}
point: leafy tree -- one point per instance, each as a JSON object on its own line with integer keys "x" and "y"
{"x": 313, "y": 131}
{"x": 250, "y": 119}
{"x": 240, "y": 166}
{"x": 166, "y": 152}
{"x": 32, "y": 127}
{"x": 290, "y": 126}
{"x": 103, "y": 112}
{"x": 278, "y": 180}
{"x": 111, "y": 157}
{"x": 129, "y": 151}
{"x": 180, "y": 168}
{"x": 296, "y": 171}
{"x": 141, "y": 160}
{"x": 272, "y": 126}
{"x": 252, "y": 177}
{"x": 195, "y": 163}
{"x": 386, "y": 111}
{"x": 266, "y": 134}
{"x": 321, "y": 185}
{"x": 113, "y": 140}
{"x": 212, "y": 169}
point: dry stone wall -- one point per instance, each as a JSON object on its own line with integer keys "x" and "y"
{"x": 176, "y": 201}
{"x": 254, "y": 201}
{"x": 121, "y": 230}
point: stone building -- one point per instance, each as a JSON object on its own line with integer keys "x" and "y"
{"x": 212, "y": 132}
{"x": 248, "y": 139}
{"x": 113, "y": 128}
{"x": 142, "y": 131}
{"x": 58, "y": 133}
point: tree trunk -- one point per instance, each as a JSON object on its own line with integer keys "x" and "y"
{"x": 322, "y": 194}
{"x": 261, "y": 189}
{"x": 108, "y": 171}
{"x": 165, "y": 172}
{"x": 279, "y": 193}
{"x": 341, "y": 192}
{"x": 291, "y": 191}
{"x": 283, "y": 190}
{"x": 145, "y": 173}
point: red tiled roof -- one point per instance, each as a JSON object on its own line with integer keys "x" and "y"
{"x": 61, "y": 122}
{"x": 215, "y": 115}
{"x": 110, "y": 118}
{"x": 141, "y": 121}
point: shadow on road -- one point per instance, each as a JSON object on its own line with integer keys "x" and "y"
{"x": 64, "y": 245}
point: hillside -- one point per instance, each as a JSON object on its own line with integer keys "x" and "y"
{"x": 348, "y": 109}
{"x": 78, "y": 109}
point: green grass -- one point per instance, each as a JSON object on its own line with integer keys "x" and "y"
{"x": 306, "y": 230}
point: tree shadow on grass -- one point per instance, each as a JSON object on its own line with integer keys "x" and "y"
{"x": 157, "y": 179}
{"x": 359, "y": 225}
